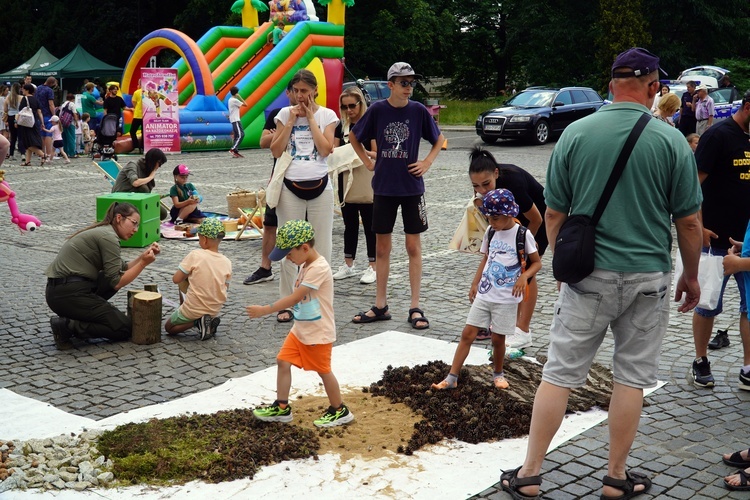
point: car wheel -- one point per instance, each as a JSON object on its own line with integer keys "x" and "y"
{"x": 487, "y": 139}
{"x": 541, "y": 132}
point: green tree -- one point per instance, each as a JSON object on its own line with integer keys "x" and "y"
{"x": 621, "y": 25}
{"x": 416, "y": 31}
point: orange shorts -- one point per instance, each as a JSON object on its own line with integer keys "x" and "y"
{"x": 316, "y": 358}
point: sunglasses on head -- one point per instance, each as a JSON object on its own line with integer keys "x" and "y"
{"x": 406, "y": 83}
{"x": 350, "y": 106}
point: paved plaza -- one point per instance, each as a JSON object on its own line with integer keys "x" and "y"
{"x": 682, "y": 434}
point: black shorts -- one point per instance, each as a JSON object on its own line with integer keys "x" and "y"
{"x": 413, "y": 213}
{"x": 269, "y": 218}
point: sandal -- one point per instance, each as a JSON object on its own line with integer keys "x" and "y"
{"x": 25, "y": 164}
{"x": 419, "y": 319}
{"x": 743, "y": 486}
{"x": 515, "y": 482}
{"x": 287, "y": 319}
{"x": 736, "y": 460}
{"x": 627, "y": 485}
{"x": 381, "y": 314}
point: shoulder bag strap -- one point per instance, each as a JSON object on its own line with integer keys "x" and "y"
{"x": 622, "y": 160}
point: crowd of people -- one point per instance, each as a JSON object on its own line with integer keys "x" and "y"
{"x": 628, "y": 291}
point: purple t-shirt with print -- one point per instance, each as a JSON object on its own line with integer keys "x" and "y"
{"x": 397, "y": 132}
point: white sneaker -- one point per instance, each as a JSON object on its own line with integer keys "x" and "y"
{"x": 519, "y": 339}
{"x": 344, "y": 272}
{"x": 368, "y": 276}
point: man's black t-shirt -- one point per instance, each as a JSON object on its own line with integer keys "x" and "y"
{"x": 114, "y": 105}
{"x": 724, "y": 154}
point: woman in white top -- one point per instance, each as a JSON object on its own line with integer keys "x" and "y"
{"x": 305, "y": 131}
{"x": 664, "y": 90}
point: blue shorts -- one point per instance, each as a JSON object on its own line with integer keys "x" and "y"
{"x": 48, "y": 126}
{"x": 739, "y": 278}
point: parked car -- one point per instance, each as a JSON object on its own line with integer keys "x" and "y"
{"x": 374, "y": 90}
{"x": 537, "y": 113}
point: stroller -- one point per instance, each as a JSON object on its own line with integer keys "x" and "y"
{"x": 106, "y": 134}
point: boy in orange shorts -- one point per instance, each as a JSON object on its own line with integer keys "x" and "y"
{"x": 310, "y": 342}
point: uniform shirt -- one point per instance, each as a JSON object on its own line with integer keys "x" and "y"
{"x": 502, "y": 268}
{"x": 397, "y": 132}
{"x": 209, "y": 274}
{"x": 724, "y": 154}
{"x": 313, "y": 315}
{"x": 87, "y": 253}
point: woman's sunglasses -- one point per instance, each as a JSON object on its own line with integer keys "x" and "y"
{"x": 350, "y": 106}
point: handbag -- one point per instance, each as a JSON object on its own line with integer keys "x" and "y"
{"x": 25, "y": 117}
{"x": 346, "y": 170}
{"x": 470, "y": 232}
{"x": 273, "y": 190}
{"x": 710, "y": 278}
{"x": 574, "y": 253}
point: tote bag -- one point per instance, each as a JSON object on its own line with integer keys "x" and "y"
{"x": 710, "y": 278}
{"x": 470, "y": 232}
{"x": 357, "y": 178}
{"x": 25, "y": 117}
{"x": 273, "y": 190}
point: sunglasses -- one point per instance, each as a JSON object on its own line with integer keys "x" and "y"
{"x": 350, "y": 106}
{"x": 406, "y": 83}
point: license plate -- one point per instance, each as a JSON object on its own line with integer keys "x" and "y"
{"x": 493, "y": 127}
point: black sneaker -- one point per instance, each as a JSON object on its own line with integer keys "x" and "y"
{"x": 259, "y": 276}
{"x": 721, "y": 340}
{"x": 744, "y": 381}
{"x": 204, "y": 326}
{"x": 61, "y": 333}
{"x": 212, "y": 326}
{"x": 702, "y": 373}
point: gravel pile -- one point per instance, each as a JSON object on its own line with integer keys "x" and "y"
{"x": 54, "y": 463}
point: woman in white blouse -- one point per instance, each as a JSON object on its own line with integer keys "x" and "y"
{"x": 305, "y": 131}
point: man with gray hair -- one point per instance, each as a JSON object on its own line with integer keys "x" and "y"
{"x": 628, "y": 289}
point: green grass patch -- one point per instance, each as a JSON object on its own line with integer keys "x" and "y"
{"x": 466, "y": 112}
{"x": 220, "y": 447}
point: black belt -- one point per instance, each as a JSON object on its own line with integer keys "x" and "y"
{"x": 67, "y": 279}
{"x": 703, "y": 120}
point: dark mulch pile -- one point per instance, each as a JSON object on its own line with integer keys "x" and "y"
{"x": 220, "y": 447}
{"x": 476, "y": 411}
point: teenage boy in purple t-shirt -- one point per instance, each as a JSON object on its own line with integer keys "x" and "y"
{"x": 397, "y": 125}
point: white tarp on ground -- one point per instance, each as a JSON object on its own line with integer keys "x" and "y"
{"x": 451, "y": 469}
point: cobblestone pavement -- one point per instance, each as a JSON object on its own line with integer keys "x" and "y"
{"x": 681, "y": 435}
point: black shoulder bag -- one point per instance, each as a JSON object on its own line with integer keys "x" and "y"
{"x": 573, "y": 256}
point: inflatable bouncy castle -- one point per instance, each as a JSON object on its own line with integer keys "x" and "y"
{"x": 243, "y": 56}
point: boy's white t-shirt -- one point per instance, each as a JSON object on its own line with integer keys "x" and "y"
{"x": 307, "y": 163}
{"x": 234, "y": 109}
{"x": 502, "y": 269}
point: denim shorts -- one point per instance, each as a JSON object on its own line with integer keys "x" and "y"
{"x": 634, "y": 305}
{"x": 502, "y": 317}
{"x": 739, "y": 278}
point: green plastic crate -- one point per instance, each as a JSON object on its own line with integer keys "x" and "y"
{"x": 146, "y": 203}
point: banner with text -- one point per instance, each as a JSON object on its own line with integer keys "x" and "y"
{"x": 161, "y": 120}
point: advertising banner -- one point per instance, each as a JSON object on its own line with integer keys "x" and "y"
{"x": 161, "y": 121}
